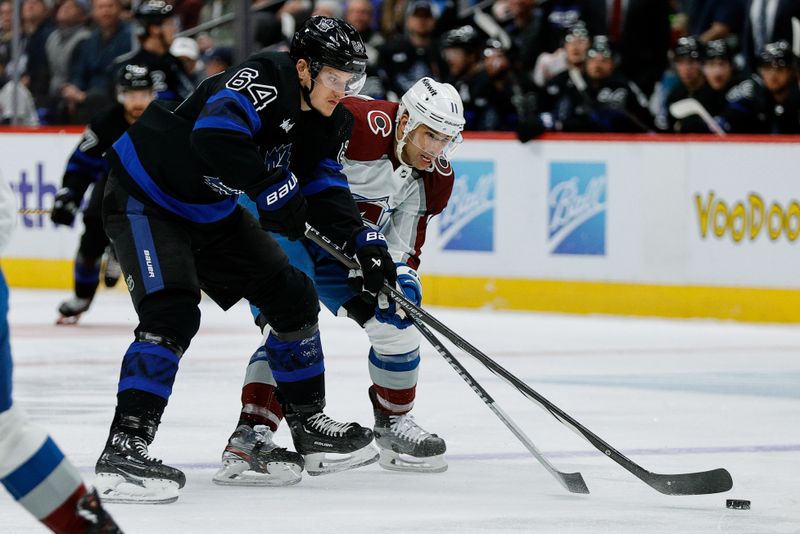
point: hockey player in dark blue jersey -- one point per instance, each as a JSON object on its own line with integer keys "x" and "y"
{"x": 271, "y": 128}
{"x": 86, "y": 167}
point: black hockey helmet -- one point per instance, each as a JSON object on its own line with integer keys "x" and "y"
{"x": 600, "y": 46}
{"x": 777, "y": 54}
{"x": 465, "y": 37}
{"x": 576, "y": 31}
{"x": 718, "y": 49}
{"x": 326, "y": 41}
{"x": 153, "y": 12}
{"x": 132, "y": 77}
{"x": 688, "y": 47}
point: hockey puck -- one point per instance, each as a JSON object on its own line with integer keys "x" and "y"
{"x": 737, "y": 504}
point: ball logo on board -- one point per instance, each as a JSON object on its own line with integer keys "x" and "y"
{"x": 467, "y": 223}
{"x": 577, "y": 202}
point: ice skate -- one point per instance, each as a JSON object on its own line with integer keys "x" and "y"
{"x": 109, "y": 266}
{"x": 70, "y": 310}
{"x": 100, "y": 521}
{"x": 252, "y": 459}
{"x": 406, "y": 446}
{"x": 126, "y": 473}
{"x": 330, "y": 446}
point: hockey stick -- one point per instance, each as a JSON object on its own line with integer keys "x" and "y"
{"x": 700, "y": 483}
{"x": 572, "y": 482}
{"x": 689, "y": 106}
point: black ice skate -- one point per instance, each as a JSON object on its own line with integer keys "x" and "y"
{"x": 71, "y": 310}
{"x": 100, "y": 521}
{"x": 110, "y": 268}
{"x": 317, "y": 435}
{"x": 252, "y": 459}
{"x": 126, "y": 473}
{"x": 406, "y": 446}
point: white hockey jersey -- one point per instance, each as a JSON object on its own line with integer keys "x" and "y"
{"x": 395, "y": 199}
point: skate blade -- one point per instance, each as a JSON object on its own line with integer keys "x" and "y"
{"x": 117, "y": 489}
{"x": 394, "y": 461}
{"x": 321, "y": 463}
{"x": 68, "y": 321}
{"x": 238, "y": 473}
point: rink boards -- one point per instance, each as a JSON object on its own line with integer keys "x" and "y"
{"x": 638, "y": 225}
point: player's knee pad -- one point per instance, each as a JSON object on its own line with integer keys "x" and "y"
{"x": 296, "y": 356}
{"x": 172, "y": 315}
{"x": 150, "y": 365}
{"x": 19, "y": 439}
{"x": 289, "y": 301}
{"x": 394, "y": 356}
{"x": 387, "y": 339}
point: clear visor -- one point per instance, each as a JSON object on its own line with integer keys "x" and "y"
{"x": 433, "y": 144}
{"x": 340, "y": 81}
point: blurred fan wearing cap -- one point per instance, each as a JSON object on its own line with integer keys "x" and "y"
{"x": 187, "y": 51}
{"x": 415, "y": 54}
{"x": 768, "y": 101}
{"x": 572, "y": 54}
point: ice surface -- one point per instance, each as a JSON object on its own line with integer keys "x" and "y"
{"x": 675, "y": 396}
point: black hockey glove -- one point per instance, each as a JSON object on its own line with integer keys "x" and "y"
{"x": 281, "y": 205}
{"x": 370, "y": 249}
{"x": 65, "y": 207}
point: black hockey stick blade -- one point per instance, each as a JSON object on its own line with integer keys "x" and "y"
{"x": 702, "y": 483}
{"x": 572, "y": 482}
{"x": 715, "y": 481}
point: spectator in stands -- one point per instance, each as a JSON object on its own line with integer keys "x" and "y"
{"x": 462, "y": 49}
{"x": 70, "y": 30}
{"x": 572, "y": 54}
{"x": 218, "y": 60}
{"x": 89, "y": 68}
{"x": 766, "y": 21}
{"x": 710, "y": 20}
{"x": 689, "y": 67}
{"x": 5, "y": 38}
{"x": 187, "y": 51}
{"x": 609, "y": 102}
{"x": 155, "y": 27}
{"x": 188, "y": 12}
{"x": 359, "y": 14}
{"x": 522, "y": 28}
{"x": 407, "y": 58}
{"x": 328, "y": 8}
{"x": 557, "y": 17}
{"x": 36, "y": 28}
{"x": 767, "y": 102}
{"x": 640, "y": 31}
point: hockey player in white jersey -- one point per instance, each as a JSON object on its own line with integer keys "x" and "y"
{"x": 398, "y": 170}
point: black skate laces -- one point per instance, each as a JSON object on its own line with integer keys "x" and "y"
{"x": 328, "y": 426}
{"x": 406, "y": 428}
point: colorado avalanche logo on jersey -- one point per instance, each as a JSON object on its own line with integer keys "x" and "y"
{"x": 379, "y": 122}
{"x": 278, "y": 157}
{"x": 374, "y": 211}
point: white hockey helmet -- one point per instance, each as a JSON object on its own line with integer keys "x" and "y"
{"x": 436, "y": 105}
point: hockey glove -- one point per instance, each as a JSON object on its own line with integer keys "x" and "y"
{"x": 372, "y": 253}
{"x": 387, "y": 311}
{"x": 281, "y": 205}
{"x": 65, "y": 207}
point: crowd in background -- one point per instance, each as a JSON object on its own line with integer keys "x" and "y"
{"x": 528, "y": 66}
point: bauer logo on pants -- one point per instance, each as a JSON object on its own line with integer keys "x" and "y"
{"x": 468, "y": 221}
{"x": 577, "y": 201}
